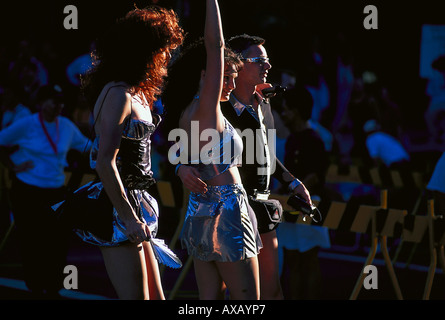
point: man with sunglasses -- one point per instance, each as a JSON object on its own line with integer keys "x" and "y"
{"x": 247, "y": 109}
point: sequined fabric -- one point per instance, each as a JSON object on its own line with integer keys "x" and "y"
{"x": 220, "y": 225}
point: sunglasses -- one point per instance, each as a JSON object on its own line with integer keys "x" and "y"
{"x": 260, "y": 60}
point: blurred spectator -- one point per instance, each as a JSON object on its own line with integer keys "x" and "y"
{"x": 43, "y": 140}
{"x": 342, "y": 88}
{"x": 387, "y": 153}
{"x": 368, "y": 100}
{"x": 79, "y": 66}
{"x": 82, "y": 116}
{"x": 28, "y": 70}
{"x": 344, "y": 80}
{"x": 435, "y": 114}
{"x": 314, "y": 81}
{"x": 12, "y": 107}
{"x": 305, "y": 155}
{"x": 382, "y": 147}
{"x": 436, "y": 185}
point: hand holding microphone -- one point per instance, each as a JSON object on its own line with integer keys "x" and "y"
{"x": 298, "y": 203}
{"x": 272, "y": 91}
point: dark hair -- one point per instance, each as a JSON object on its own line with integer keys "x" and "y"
{"x": 135, "y": 50}
{"x": 183, "y": 78}
{"x": 300, "y": 99}
{"x": 241, "y": 43}
{"x": 49, "y": 92}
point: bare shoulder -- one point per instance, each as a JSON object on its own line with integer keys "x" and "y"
{"x": 117, "y": 92}
{"x": 113, "y": 93}
{"x": 113, "y": 106}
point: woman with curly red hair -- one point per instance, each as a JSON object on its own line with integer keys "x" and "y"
{"x": 127, "y": 77}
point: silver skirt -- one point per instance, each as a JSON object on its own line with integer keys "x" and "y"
{"x": 220, "y": 225}
{"x": 146, "y": 209}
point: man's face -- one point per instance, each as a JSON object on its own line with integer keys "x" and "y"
{"x": 51, "y": 108}
{"x": 256, "y": 66}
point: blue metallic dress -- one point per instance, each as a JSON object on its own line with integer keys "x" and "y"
{"x": 219, "y": 224}
{"x": 134, "y": 164}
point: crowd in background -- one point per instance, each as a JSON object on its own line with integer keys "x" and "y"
{"x": 361, "y": 103}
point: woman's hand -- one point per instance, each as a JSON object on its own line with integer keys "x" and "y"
{"x": 260, "y": 87}
{"x": 190, "y": 177}
{"x": 136, "y": 231}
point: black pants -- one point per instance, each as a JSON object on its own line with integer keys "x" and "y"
{"x": 301, "y": 278}
{"x": 42, "y": 242}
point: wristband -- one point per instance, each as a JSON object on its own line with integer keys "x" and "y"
{"x": 295, "y": 183}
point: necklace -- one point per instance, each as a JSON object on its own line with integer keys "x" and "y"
{"x": 45, "y": 130}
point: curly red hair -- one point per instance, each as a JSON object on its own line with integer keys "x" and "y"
{"x": 136, "y": 50}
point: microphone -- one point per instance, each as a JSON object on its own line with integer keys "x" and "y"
{"x": 272, "y": 91}
{"x": 299, "y": 204}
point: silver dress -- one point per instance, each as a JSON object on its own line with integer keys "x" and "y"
{"x": 134, "y": 164}
{"x": 220, "y": 225}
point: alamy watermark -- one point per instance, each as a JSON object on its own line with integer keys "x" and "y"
{"x": 71, "y": 19}
{"x": 187, "y": 148}
{"x": 372, "y": 278}
{"x": 371, "y": 20}
{"x": 72, "y": 279}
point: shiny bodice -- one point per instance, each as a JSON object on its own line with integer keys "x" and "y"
{"x": 134, "y": 156}
{"x": 218, "y": 157}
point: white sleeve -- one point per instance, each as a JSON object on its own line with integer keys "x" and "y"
{"x": 79, "y": 141}
{"x": 12, "y": 134}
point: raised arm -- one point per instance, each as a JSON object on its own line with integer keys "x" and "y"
{"x": 212, "y": 83}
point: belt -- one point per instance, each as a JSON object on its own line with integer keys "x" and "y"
{"x": 261, "y": 195}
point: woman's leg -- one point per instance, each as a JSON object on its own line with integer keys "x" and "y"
{"x": 241, "y": 278}
{"x": 153, "y": 274}
{"x": 269, "y": 273}
{"x": 208, "y": 280}
{"x": 127, "y": 271}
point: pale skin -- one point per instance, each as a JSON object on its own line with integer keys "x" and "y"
{"x": 133, "y": 268}
{"x": 241, "y": 277}
{"x": 249, "y": 83}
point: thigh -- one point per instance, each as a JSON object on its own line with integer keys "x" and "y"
{"x": 269, "y": 269}
{"x": 153, "y": 274}
{"x": 208, "y": 279}
{"x": 125, "y": 265}
{"x": 241, "y": 278}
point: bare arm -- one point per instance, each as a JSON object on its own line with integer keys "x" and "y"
{"x": 210, "y": 93}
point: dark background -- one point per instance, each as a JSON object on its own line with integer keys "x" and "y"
{"x": 289, "y": 27}
{"x": 392, "y": 51}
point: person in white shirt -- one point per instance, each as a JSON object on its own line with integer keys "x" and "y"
{"x": 387, "y": 153}
{"x": 12, "y": 107}
{"x": 382, "y": 146}
{"x": 43, "y": 140}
